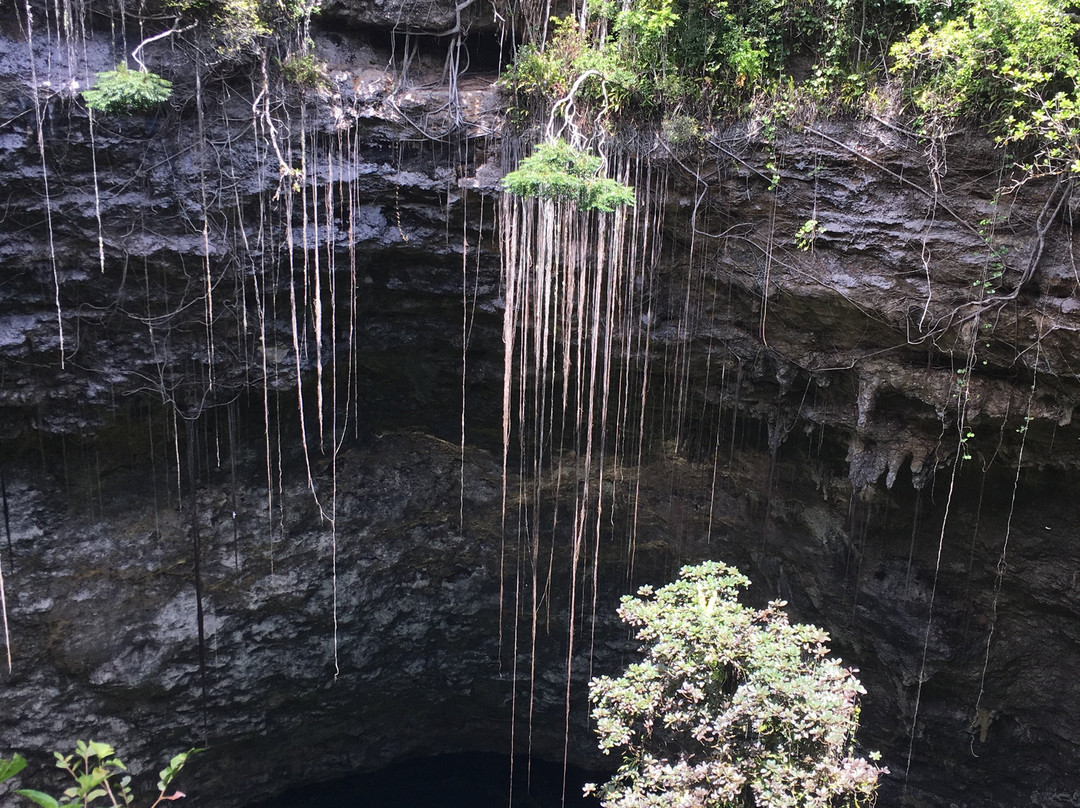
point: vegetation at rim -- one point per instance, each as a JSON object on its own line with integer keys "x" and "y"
{"x": 241, "y": 28}
{"x": 230, "y": 33}
{"x": 99, "y": 778}
{"x": 731, "y": 706}
{"x": 1011, "y": 65}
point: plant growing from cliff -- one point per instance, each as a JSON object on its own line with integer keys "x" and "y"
{"x": 240, "y": 28}
{"x": 99, "y": 778}
{"x": 731, "y": 706}
{"x": 124, "y": 91}
{"x": 808, "y": 233}
{"x": 556, "y": 170}
{"x": 574, "y": 58}
{"x": 712, "y": 56}
{"x": 1011, "y": 64}
{"x": 303, "y": 70}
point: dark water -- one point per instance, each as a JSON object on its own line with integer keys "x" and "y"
{"x": 447, "y": 781}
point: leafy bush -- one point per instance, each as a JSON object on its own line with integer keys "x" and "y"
{"x": 240, "y": 29}
{"x": 556, "y": 170}
{"x": 123, "y": 91}
{"x": 549, "y": 70}
{"x": 661, "y": 55}
{"x": 730, "y": 706}
{"x": 302, "y": 70}
{"x": 1012, "y": 64}
{"x": 98, "y": 774}
{"x": 237, "y": 26}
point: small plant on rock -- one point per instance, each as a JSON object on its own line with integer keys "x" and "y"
{"x": 100, "y": 778}
{"x": 808, "y": 233}
{"x": 730, "y": 707}
{"x": 302, "y": 70}
{"x": 124, "y": 91}
{"x": 556, "y": 170}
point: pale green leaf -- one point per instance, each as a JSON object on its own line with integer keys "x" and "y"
{"x": 101, "y": 750}
{"x": 42, "y": 799}
{"x": 9, "y": 768}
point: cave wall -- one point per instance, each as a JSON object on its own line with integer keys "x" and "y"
{"x": 802, "y": 423}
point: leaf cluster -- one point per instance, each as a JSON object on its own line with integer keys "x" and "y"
{"x": 556, "y": 170}
{"x": 730, "y": 706}
{"x": 549, "y": 70}
{"x": 239, "y": 29}
{"x": 1010, "y": 64}
{"x": 98, "y": 774}
{"x": 658, "y": 56}
{"x": 303, "y": 70}
{"x": 125, "y": 91}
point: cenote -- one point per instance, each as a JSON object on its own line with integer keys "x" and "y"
{"x": 357, "y": 359}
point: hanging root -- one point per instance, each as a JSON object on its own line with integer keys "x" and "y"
{"x": 4, "y": 613}
{"x": 574, "y": 284}
{"x": 983, "y": 717}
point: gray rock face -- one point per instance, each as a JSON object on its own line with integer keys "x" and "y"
{"x": 441, "y": 19}
{"x": 374, "y": 598}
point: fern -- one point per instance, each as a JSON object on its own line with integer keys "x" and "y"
{"x": 556, "y": 170}
{"x": 124, "y": 91}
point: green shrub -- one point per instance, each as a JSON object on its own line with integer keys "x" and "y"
{"x": 660, "y": 54}
{"x": 240, "y": 29}
{"x": 556, "y": 170}
{"x": 237, "y": 25}
{"x": 124, "y": 91}
{"x": 1011, "y": 64}
{"x": 550, "y": 70}
{"x": 98, "y": 775}
{"x": 302, "y": 70}
{"x": 730, "y": 706}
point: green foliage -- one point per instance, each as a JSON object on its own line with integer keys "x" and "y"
{"x": 124, "y": 91}
{"x": 714, "y": 55}
{"x": 808, "y": 233}
{"x": 98, "y": 775}
{"x": 238, "y": 24}
{"x": 9, "y": 768}
{"x": 550, "y": 70}
{"x": 1012, "y": 64}
{"x": 239, "y": 27}
{"x": 556, "y": 170}
{"x": 730, "y": 706}
{"x": 679, "y": 129}
{"x": 302, "y": 70}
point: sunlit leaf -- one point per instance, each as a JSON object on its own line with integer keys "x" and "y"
{"x": 100, "y": 750}
{"x": 42, "y": 799}
{"x": 9, "y": 768}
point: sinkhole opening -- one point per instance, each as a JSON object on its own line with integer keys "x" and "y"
{"x": 459, "y": 780}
